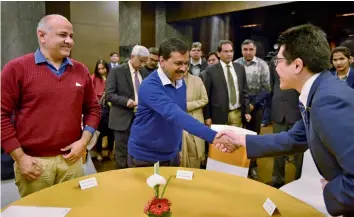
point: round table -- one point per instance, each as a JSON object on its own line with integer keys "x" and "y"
{"x": 124, "y": 193}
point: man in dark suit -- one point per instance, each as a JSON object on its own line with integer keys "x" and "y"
{"x": 285, "y": 113}
{"x": 196, "y": 63}
{"x": 327, "y": 117}
{"x": 122, "y": 92}
{"x": 114, "y": 57}
{"x": 227, "y": 90}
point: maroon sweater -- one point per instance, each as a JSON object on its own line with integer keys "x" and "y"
{"x": 48, "y": 108}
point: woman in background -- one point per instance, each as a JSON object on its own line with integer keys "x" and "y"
{"x": 99, "y": 82}
{"x": 341, "y": 60}
{"x": 193, "y": 147}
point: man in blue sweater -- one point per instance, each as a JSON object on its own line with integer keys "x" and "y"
{"x": 156, "y": 133}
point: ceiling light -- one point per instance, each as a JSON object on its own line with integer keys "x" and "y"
{"x": 345, "y": 15}
{"x": 250, "y": 25}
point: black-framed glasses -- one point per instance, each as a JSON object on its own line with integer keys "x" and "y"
{"x": 276, "y": 60}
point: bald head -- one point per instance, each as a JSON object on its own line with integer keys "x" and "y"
{"x": 46, "y": 23}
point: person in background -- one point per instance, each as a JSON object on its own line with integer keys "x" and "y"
{"x": 257, "y": 74}
{"x": 122, "y": 90}
{"x": 193, "y": 147}
{"x": 114, "y": 57}
{"x": 212, "y": 58}
{"x": 152, "y": 63}
{"x": 196, "y": 63}
{"x": 49, "y": 93}
{"x": 99, "y": 82}
{"x": 341, "y": 59}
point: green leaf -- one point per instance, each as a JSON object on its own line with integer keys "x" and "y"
{"x": 164, "y": 188}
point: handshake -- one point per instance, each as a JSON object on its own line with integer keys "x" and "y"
{"x": 228, "y": 141}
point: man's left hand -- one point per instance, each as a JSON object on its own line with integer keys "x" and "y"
{"x": 77, "y": 150}
{"x": 324, "y": 182}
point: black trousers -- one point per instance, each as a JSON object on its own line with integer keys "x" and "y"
{"x": 255, "y": 125}
{"x": 105, "y": 131}
{"x": 121, "y": 150}
{"x": 278, "y": 176}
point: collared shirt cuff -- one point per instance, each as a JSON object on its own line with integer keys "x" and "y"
{"x": 90, "y": 129}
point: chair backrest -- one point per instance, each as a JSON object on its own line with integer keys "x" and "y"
{"x": 234, "y": 163}
{"x": 309, "y": 169}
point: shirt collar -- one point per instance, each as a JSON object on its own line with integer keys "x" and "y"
{"x": 223, "y": 64}
{"x": 346, "y": 76}
{"x": 253, "y": 60}
{"x": 40, "y": 58}
{"x": 166, "y": 81}
{"x": 132, "y": 70}
{"x": 305, "y": 90}
{"x": 199, "y": 62}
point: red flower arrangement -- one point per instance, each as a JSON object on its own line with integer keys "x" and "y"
{"x": 158, "y": 206}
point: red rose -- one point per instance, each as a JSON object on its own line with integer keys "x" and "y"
{"x": 157, "y": 206}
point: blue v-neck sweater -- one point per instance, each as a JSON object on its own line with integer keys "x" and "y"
{"x": 156, "y": 133}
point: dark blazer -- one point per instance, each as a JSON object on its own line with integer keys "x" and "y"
{"x": 215, "y": 83}
{"x": 119, "y": 89}
{"x": 329, "y": 133}
{"x": 350, "y": 79}
{"x": 285, "y": 103}
{"x": 203, "y": 66}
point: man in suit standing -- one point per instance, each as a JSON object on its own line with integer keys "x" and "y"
{"x": 114, "y": 57}
{"x": 326, "y": 107}
{"x": 152, "y": 63}
{"x": 197, "y": 64}
{"x": 122, "y": 91}
{"x": 285, "y": 113}
{"x": 227, "y": 90}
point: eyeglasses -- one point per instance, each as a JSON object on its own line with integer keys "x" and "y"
{"x": 276, "y": 60}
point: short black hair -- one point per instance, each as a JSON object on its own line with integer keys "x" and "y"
{"x": 222, "y": 42}
{"x": 344, "y": 50}
{"x": 196, "y": 44}
{"x": 154, "y": 51}
{"x": 113, "y": 54}
{"x": 104, "y": 63}
{"x": 212, "y": 53}
{"x": 348, "y": 44}
{"x": 170, "y": 45}
{"x": 309, "y": 43}
{"x": 248, "y": 41}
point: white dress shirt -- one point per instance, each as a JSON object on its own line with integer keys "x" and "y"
{"x": 165, "y": 80}
{"x": 132, "y": 72}
{"x": 305, "y": 90}
{"x": 232, "y": 70}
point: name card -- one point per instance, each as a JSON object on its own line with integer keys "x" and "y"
{"x": 270, "y": 207}
{"x": 88, "y": 183}
{"x": 183, "y": 174}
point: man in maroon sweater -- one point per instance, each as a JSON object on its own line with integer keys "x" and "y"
{"x": 49, "y": 93}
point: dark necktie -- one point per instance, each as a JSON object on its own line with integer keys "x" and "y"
{"x": 232, "y": 89}
{"x": 303, "y": 113}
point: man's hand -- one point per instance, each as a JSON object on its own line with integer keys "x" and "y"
{"x": 131, "y": 103}
{"x": 235, "y": 140}
{"x": 208, "y": 122}
{"x": 28, "y": 166}
{"x": 324, "y": 182}
{"x": 224, "y": 143}
{"x": 251, "y": 107}
{"x": 76, "y": 150}
{"x": 248, "y": 117}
